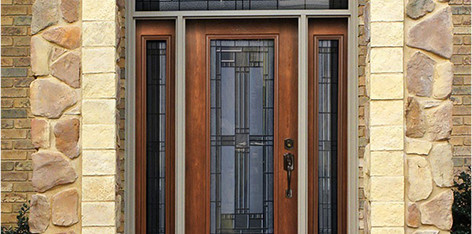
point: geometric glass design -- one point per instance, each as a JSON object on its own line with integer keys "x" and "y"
{"x": 242, "y": 136}
{"x": 190, "y": 5}
{"x": 155, "y": 136}
{"x": 327, "y": 135}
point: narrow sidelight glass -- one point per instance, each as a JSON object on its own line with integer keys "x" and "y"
{"x": 328, "y": 62}
{"x": 242, "y": 136}
{"x": 155, "y": 136}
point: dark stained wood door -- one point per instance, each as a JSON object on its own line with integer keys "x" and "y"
{"x": 248, "y": 62}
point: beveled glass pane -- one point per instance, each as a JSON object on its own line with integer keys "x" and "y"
{"x": 327, "y": 135}
{"x": 155, "y": 136}
{"x": 242, "y": 119}
{"x": 189, "y": 5}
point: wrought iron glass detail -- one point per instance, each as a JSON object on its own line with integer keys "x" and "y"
{"x": 155, "y": 134}
{"x": 242, "y": 136}
{"x": 327, "y": 135}
{"x": 189, "y": 5}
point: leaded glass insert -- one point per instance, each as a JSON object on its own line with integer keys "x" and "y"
{"x": 242, "y": 136}
{"x": 189, "y": 5}
{"x": 327, "y": 135}
{"x": 155, "y": 136}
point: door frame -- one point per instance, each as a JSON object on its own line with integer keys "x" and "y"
{"x": 180, "y": 18}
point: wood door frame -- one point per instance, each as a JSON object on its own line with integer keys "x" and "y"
{"x": 327, "y": 29}
{"x": 147, "y": 31}
{"x": 247, "y": 33}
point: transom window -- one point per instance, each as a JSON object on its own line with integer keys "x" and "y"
{"x": 189, "y": 5}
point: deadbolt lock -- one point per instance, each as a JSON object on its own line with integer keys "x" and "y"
{"x": 288, "y": 143}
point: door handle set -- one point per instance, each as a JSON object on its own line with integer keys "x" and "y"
{"x": 289, "y": 165}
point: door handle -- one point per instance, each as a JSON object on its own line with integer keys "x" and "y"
{"x": 288, "y": 166}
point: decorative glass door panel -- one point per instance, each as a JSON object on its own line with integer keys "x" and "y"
{"x": 242, "y": 136}
{"x": 241, "y": 104}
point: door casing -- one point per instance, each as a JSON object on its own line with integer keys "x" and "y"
{"x": 180, "y": 21}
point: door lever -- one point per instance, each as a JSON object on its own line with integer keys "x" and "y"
{"x": 288, "y": 166}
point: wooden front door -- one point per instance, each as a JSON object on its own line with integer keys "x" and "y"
{"x": 241, "y": 126}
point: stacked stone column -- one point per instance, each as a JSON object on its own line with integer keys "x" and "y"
{"x": 54, "y": 99}
{"x": 408, "y": 168}
{"x": 384, "y": 157}
{"x": 73, "y": 99}
{"x": 429, "y": 76}
{"x": 99, "y": 131}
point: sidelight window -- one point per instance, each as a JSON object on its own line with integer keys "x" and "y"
{"x": 155, "y": 136}
{"x": 327, "y": 135}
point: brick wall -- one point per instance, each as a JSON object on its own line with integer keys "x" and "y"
{"x": 363, "y": 99}
{"x": 121, "y": 108}
{"x": 16, "y": 78}
{"x": 460, "y": 138}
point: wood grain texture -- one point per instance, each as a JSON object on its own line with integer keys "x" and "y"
{"x": 327, "y": 29}
{"x": 162, "y": 31}
{"x": 199, "y": 32}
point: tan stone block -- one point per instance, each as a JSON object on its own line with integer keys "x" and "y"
{"x": 386, "y": 10}
{"x": 101, "y": 111}
{"x": 386, "y": 138}
{"x": 40, "y": 215}
{"x": 385, "y": 60}
{"x": 438, "y": 210}
{"x": 101, "y": 230}
{"x": 386, "y": 113}
{"x": 387, "y": 188}
{"x": 387, "y": 214}
{"x": 99, "y": 188}
{"x": 98, "y": 136}
{"x": 98, "y": 10}
{"x": 100, "y": 33}
{"x": 443, "y": 75}
{"x": 40, "y": 52}
{"x": 98, "y": 214}
{"x": 386, "y": 86}
{"x": 415, "y": 146}
{"x": 99, "y": 85}
{"x": 442, "y": 165}
{"x": 99, "y": 162}
{"x": 100, "y": 59}
{"x": 386, "y": 34}
{"x": 40, "y": 133}
{"x": 66, "y": 36}
{"x": 420, "y": 180}
{"x": 398, "y": 230}
{"x": 386, "y": 163}
{"x": 65, "y": 208}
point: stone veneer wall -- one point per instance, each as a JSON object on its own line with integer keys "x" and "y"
{"x": 383, "y": 162}
{"x": 16, "y": 138}
{"x": 408, "y": 167}
{"x": 429, "y": 76}
{"x": 73, "y": 101}
{"x": 101, "y": 202}
{"x": 363, "y": 138}
{"x": 55, "y": 103}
